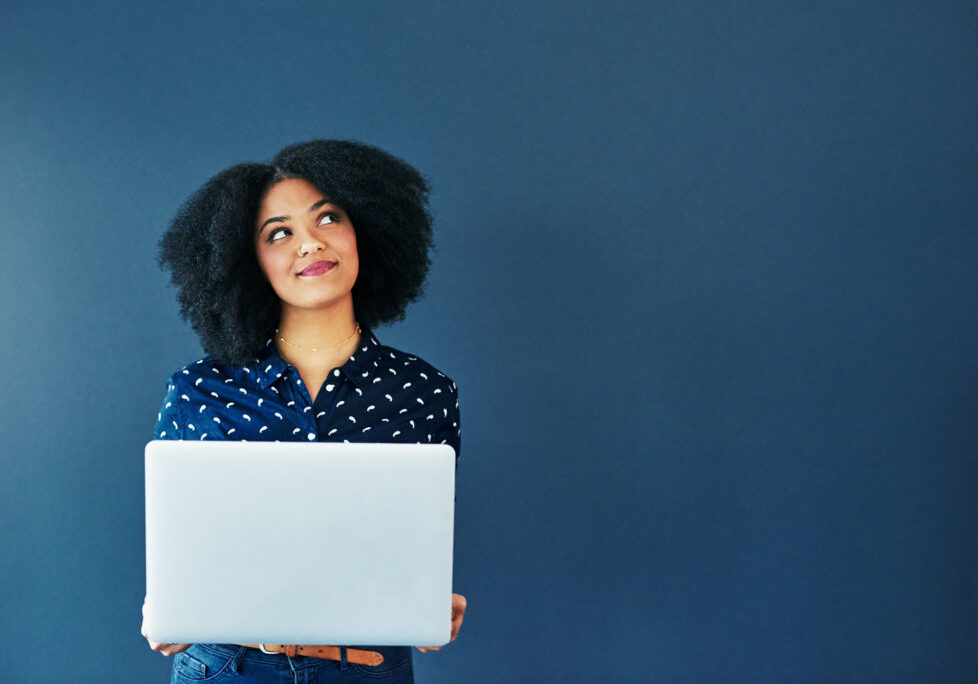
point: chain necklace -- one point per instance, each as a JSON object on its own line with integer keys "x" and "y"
{"x": 316, "y": 349}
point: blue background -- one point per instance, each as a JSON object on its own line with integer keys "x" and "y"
{"x": 705, "y": 276}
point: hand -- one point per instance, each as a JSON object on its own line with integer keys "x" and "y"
{"x": 165, "y": 649}
{"x": 458, "y": 614}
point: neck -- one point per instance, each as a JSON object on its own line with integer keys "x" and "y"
{"x": 331, "y": 332}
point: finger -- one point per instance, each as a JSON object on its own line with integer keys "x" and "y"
{"x": 459, "y": 604}
{"x": 457, "y": 623}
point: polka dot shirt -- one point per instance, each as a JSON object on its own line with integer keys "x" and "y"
{"x": 379, "y": 395}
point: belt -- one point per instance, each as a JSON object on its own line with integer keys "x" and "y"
{"x": 353, "y": 655}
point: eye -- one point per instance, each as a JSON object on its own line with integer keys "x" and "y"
{"x": 277, "y": 234}
{"x": 327, "y": 218}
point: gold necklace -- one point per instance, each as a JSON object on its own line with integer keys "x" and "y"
{"x": 316, "y": 349}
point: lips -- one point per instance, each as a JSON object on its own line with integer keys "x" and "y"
{"x": 317, "y": 268}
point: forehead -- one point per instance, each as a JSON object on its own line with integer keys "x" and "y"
{"x": 288, "y": 197}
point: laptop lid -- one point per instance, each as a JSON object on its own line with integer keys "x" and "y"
{"x": 299, "y": 543}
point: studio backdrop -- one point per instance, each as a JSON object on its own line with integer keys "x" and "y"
{"x": 704, "y": 276}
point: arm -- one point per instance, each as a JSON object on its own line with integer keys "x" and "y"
{"x": 450, "y": 431}
{"x": 450, "y": 434}
{"x": 169, "y": 425}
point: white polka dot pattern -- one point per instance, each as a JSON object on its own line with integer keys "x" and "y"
{"x": 379, "y": 395}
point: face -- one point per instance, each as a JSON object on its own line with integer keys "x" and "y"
{"x": 306, "y": 246}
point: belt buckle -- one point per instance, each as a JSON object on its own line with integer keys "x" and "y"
{"x": 261, "y": 647}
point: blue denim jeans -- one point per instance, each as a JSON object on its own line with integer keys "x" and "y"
{"x": 243, "y": 665}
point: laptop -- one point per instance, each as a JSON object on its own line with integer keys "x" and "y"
{"x": 299, "y": 543}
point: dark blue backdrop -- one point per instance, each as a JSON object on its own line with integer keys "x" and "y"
{"x": 705, "y": 277}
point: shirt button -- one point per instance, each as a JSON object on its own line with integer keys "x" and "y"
{"x": 311, "y": 436}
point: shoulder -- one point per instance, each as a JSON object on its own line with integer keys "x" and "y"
{"x": 201, "y": 382}
{"x": 209, "y": 376}
{"x": 207, "y": 399}
{"x": 412, "y": 365}
{"x": 422, "y": 393}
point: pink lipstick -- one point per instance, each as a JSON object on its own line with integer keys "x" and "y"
{"x": 317, "y": 268}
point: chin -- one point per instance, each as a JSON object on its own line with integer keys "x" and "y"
{"x": 316, "y": 303}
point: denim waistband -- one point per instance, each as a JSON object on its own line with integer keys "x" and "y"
{"x": 256, "y": 656}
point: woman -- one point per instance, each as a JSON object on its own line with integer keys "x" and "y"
{"x": 283, "y": 270}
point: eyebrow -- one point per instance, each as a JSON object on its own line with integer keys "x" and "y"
{"x": 281, "y": 219}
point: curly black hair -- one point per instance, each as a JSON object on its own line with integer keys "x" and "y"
{"x": 209, "y": 246}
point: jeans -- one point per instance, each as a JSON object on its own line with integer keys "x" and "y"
{"x": 243, "y": 665}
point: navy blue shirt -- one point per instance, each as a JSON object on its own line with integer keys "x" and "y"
{"x": 379, "y": 395}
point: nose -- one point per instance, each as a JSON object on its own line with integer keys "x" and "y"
{"x": 309, "y": 244}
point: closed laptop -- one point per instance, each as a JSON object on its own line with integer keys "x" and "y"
{"x": 299, "y": 543}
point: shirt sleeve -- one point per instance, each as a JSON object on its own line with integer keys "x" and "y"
{"x": 170, "y": 423}
{"x": 449, "y": 432}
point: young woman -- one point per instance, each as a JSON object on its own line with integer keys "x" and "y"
{"x": 283, "y": 269}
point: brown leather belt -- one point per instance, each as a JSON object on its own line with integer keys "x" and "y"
{"x": 353, "y": 655}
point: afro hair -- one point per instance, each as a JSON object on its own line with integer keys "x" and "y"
{"x": 209, "y": 246}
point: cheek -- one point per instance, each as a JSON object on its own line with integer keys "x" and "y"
{"x": 268, "y": 263}
{"x": 262, "y": 261}
{"x": 350, "y": 248}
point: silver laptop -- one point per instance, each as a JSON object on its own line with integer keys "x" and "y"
{"x": 299, "y": 543}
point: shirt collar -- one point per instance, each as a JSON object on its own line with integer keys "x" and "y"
{"x": 359, "y": 368}
{"x": 269, "y": 366}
